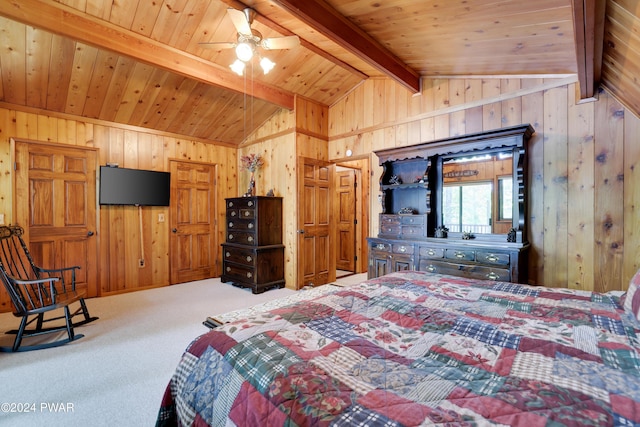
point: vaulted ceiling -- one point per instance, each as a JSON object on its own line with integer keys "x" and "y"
{"x": 143, "y": 62}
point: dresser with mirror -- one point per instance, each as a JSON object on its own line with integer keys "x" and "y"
{"x": 455, "y": 206}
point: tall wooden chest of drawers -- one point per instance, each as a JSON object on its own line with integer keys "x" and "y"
{"x": 253, "y": 253}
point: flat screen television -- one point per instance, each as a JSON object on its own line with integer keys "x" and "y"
{"x": 122, "y": 186}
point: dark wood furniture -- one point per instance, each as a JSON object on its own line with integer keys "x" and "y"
{"x": 411, "y": 195}
{"x": 253, "y": 253}
{"x": 36, "y": 291}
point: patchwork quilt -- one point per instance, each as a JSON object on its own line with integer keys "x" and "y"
{"x": 415, "y": 349}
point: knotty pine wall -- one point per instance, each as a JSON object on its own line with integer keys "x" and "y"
{"x": 583, "y": 163}
{"x": 129, "y": 147}
{"x": 283, "y": 138}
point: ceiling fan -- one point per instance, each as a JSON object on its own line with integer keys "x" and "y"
{"x": 249, "y": 40}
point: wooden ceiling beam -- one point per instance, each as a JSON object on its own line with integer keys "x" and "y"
{"x": 588, "y": 24}
{"x": 329, "y": 22}
{"x": 68, "y": 22}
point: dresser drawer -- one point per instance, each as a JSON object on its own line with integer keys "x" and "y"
{"x": 390, "y": 230}
{"x": 240, "y": 256}
{"x": 412, "y": 231}
{"x": 472, "y": 271}
{"x": 242, "y": 273}
{"x": 241, "y": 203}
{"x": 380, "y": 247}
{"x": 493, "y": 258}
{"x": 402, "y": 248}
{"x": 241, "y": 237}
{"x": 389, "y": 220}
{"x": 240, "y": 224}
{"x": 460, "y": 254}
{"x": 429, "y": 252}
{"x": 419, "y": 220}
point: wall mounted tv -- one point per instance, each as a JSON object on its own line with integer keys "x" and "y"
{"x": 122, "y": 186}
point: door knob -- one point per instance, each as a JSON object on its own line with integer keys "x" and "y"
{"x": 175, "y": 230}
{"x": 90, "y": 233}
{"x": 300, "y": 231}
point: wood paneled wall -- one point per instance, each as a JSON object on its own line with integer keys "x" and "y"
{"x": 583, "y": 163}
{"x": 281, "y": 140}
{"x": 129, "y": 147}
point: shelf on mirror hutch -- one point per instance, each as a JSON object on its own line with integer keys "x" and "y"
{"x": 455, "y": 206}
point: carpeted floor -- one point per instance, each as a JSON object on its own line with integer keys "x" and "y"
{"x": 117, "y": 373}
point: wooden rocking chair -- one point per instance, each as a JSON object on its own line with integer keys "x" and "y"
{"x": 35, "y": 291}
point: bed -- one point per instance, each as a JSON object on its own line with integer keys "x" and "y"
{"x": 413, "y": 348}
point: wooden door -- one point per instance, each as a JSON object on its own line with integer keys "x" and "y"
{"x": 193, "y": 243}
{"x": 345, "y": 214}
{"x": 55, "y": 202}
{"x": 316, "y": 251}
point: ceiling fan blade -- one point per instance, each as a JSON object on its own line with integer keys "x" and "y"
{"x": 286, "y": 42}
{"x": 218, "y": 45}
{"x": 240, "y": 21}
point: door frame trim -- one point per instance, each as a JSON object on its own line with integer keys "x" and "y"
{"x": 364, "y": 191}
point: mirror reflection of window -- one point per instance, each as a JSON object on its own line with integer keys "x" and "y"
{"x": 467, "y": 207}
{"x": 505, "y": 195}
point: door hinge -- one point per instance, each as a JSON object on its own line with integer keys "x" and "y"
{"x": 15, "y": 166}
{"x": 355, "y": 221}
{"x": 355, "y": 257}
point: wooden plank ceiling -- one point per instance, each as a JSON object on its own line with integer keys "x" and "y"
{"x": 141, "y": 62}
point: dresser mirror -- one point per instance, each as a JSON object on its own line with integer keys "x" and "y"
{"x": 478, "y": 194}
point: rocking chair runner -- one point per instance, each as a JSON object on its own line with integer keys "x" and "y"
{"x": 35, "y": 291}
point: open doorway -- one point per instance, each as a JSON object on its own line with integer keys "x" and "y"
{"x": 351, "y": 215}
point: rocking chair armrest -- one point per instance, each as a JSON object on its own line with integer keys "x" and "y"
{"x": 44, "y": 280}
{"x": 41, "y": 283}
{"x": 57, "y": 270}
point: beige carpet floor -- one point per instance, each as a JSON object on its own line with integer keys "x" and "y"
{"x": 117, "y": 373}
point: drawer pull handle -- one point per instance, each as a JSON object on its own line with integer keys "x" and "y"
{"x": 431, "y": 269}
{"x": 230, "y": 236}
{"x": 431, "y": 252}
{"x": 380, "y": 246}
{"x": 402, "y": 249}
{"x": 249, "y": 259}
{"x": 247, "y": 213}
{"x": 491, "y": 258}
{"x": 250, "y": 203}
{"x": 459, "y": 255}
{"x": 227, "y": 254}
{"x": 492, "y": 276}
{"x": 230, "y": 204}
{"x": 233, "y": 213}
{"x": 250, "y": 226}
{"x": 250, "y": 238}
{"x": 228, "y": 269}
{"x": 230, "y": 225}
{"x": 249, "y": 275}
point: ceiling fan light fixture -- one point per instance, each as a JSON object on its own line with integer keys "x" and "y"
{"x": 266, "y": 64}
{"x": 244, "y": 51}
{"x": 237, "y": 67}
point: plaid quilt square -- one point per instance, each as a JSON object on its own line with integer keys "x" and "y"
{"x": 484, "y": 332}
{"x": 390, "y": 303}
{"x": 359, "y": 416}
{"x": 611, "y": 325}
{"x": 509, "y": 304}
{"x": 516, "y": 289}
{"x": 260, "y": 359}
{"x": 333, "y": 328}
{"x": 467, "y": 377}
